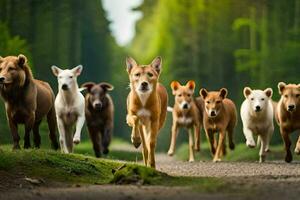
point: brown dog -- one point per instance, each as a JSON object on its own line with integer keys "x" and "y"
{"x": 27, "y": 101}
{"x": 146, "y": 105}
{"x": 99, "y": 114}
{"x": 185, "y": 114}
{"x": 288, "y": 115}
{"x": 220, "y": 116}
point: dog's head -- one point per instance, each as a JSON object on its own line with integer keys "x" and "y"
{"x": 290, "y": 95}
{"x": 143, "y": 78}
{"x": 97, "y": 93}
{"x": 258, "y": 99}
{"x": 213, "y": 101}
{"x": 183, "y": 94}
{"x": 13, "y": 70}
{"x": 67, "y": 78}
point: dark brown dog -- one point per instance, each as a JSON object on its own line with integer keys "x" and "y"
{"x": 27, "y": 101}
{"x": 99, "y": 114}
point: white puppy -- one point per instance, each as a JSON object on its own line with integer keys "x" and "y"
{"x": 69, "y": 106}
{"x": 257, "y": 116}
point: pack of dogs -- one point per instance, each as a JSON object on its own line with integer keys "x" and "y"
{"x": 28, "y": 100}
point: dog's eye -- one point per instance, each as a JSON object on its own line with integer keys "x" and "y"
{"x": 252, "y": 99}
{"x": 286, "y": 96}
{"x": 180, "y": 95}
{"x": 150, "y": 74}
{"x": 137, "y": 74}
{"x": 262, "y": 99}
{"x": 297, "y": 95}
{"x": 70, "y": 76}
{"x": 10, "y": 69}
{"x": 218, "y": 101}
{"x": 189, "y": 95}
{"x": 208, "y": 102}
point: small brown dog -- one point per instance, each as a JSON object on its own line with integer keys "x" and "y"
{"x": 146, "y": 106}
{"x": 220, "y": 116}
{"x": 288, "y": 115}
{"x": 186, "y": 114}
{"x": 99, "y": 114}
{"x": 27, "y": 101}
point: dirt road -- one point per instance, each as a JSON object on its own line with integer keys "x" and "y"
{"x": 243, "y": 180}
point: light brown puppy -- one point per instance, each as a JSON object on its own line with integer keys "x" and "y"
{"x": 146, "y": 106}
{"x": 220, "y": 116}
{"x": 288, "y": 115}
{"x": 27, "y": 101}
{"x": 185, "y": 114}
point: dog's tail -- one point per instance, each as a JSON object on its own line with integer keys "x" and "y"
{"x": 169, "y": 109}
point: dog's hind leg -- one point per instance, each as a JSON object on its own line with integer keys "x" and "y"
{"x": 151, "y": 141}
{"x": 297, "y": 149}
{"x": 29, "y": 123}
{"x": 197, "y": 130}
{"x": 230, "y": 132}
{"x": 211, "y": 139}
{"x": 69, "y": 141}
{"x": 36, "y": 134}
{"x": 52, "y": 125}
{"x": 217, "y": 156}
{"x": 14, "y": 132}
{"x": 287, "y": 143}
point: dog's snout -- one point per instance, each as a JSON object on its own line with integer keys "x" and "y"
{"x": 257, "y": 108}
{"x": 185, "y": 106}
{"x": 291, "y": 107}
{"x": 2, "y": 79}
{"x": 144, "y": 84}
{"x": 213, "y": 113}
{"x": 98, "y": 105}
{"x": 64, "y": 87}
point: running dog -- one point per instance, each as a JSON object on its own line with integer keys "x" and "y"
{"x": 219, "y": 116}
{"x": 257, "y": 117}
{"x": 146, "y": 106}
{"x": 288, "y": 115}
{"x": 185, "y": 114}
{"x": 99, "y": 114}
{"x": 69, "y": 106}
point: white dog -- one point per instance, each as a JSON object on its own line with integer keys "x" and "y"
{"x": 69, "y": 106}
{"x": 257, "y": 116}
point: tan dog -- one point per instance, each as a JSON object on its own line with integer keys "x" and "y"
{"x": 220, "y": 116}
{"x": 146, "y": 105}
{"x": 27, "y": 101}
{"x": 288, "y": 115}
{"x": 185, "y": 114}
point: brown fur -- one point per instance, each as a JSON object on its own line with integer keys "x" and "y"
{"x": 185, "y": 114}
{"x": 224, "y": 121}
{"x": 27, "y": 101}
{"x": 146, "y": 116}
{"x": 99, "y": 114}
{"x": 289, "y": 119}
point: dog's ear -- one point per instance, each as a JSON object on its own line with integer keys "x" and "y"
{"x": 22, "y": 60}
{"x": 268, "y": 92}
{"x": 281, "y": 87}
{"x": 203, "y": 93}
{"x": 191, "y": 85}
{"x": 157, "y": 64}
{"x": 106, "y": 86}
{"x": 88, "y": 85}
{"x": 77, "y": 70}
{"x": 175, "y": 86}
{"x": 223, "y": 93}
{"x": 130, "y": 63}
{"x": 55, "y": 70}
{"x": 247, "y": 91}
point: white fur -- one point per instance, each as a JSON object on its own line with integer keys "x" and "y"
{"x": 69, "y": 106}
{"x": 184, "y": 120}
{"x": 259, "y": 123}
{"x": 144, "y": 113}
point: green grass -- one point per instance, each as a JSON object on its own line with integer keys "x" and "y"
{"x": 240, "y": 153}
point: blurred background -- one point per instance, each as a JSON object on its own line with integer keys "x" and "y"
{"x": 228, "y": 43}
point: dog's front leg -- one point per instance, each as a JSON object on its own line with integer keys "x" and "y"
{"x": 62, "y": 135}
{"x": 263, "y": 145}
{"x": 79, "y": 125}
{"x": 133, "y": 121}
{"x": 249, "y": 137}
{"x": 297, "y": 149}
{"x": 197, "y": 136}
{"x": 217, "y": 157}
{"x": 191, "y": 146}
{"x": 28, "y": 127}
{"x": 152, "y": 143}
{"x": 210, "y": 138}
{"x": 173, "y": 139}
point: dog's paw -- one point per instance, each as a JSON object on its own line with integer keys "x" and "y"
{"x": 131, "y": 120}
{"x": 217, "y": 160}
{"x": 170, "y": 153}
{"x": 231, "y": 146}
{"x": 136, "y": 141}
{"x": 262, "y": 158}
{"x": 191, "y": 160}
{"x": 250, "y": 144}
{"x": 76, "y": 140}
{"x": 288, "y": 157}
{"x": 197, "y": 148}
